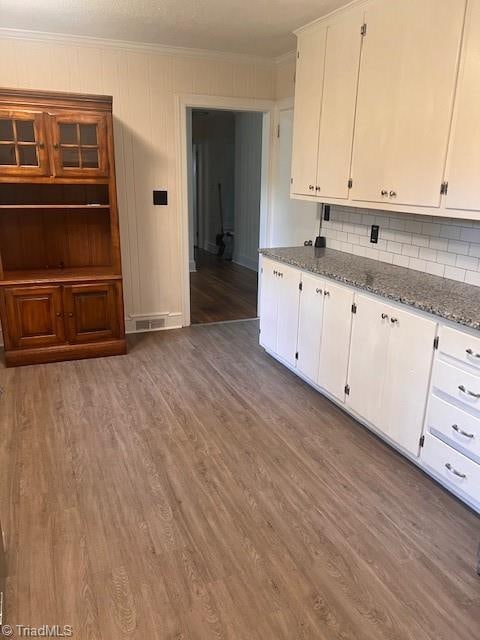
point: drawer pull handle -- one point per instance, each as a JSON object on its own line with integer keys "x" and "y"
{"x": 456, "y": 428}
{"x": 468, "y": 392}
{"x": 454, "y": 471}
{"x": 471, "y": 353}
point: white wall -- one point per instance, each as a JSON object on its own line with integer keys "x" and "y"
{"x": 292, "y": 221}
{"x": 143, "y": 82}
{"x": 248, "y": 184}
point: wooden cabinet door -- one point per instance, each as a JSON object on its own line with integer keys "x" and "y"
{"x": 34, "y": 316}
{"x": 335, "y": 347}
{"x": 463, "y": 166}
{"x": 268, "y": 305}
{"x": 308, "y": 99}
{"x": 407, "y": 378}
{"x": 287, "y": 314}
{"x": 342, "y": 59}
{"x": 91, "y": 312}
{"x": 80, "y": 144}
{"x": 368, "y": 358}
{"x": 405, "y": 98}
{"x": 310, "y": 321}
{"x": 23, "y": 150}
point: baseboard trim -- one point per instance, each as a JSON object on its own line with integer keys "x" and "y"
{"x": 245, "y": 261}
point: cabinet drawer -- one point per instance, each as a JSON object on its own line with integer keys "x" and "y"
{"x": 463, "y": 387}
{"x": 460, "y": 346}
{"x": 457, "y": 470}
{"x": 458, "y": 428}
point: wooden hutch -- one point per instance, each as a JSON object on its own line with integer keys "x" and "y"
{"x": 60, "y": 269}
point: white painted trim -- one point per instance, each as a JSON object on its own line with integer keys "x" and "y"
{"x": 183, "y": 102}
{"x": 146, "y": 47}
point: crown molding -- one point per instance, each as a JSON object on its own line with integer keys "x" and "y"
{"x": 286, "y": 57}
{"x": 127, "y": 45}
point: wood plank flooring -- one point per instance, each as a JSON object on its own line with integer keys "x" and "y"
{"x": 221, "y": 290}
{"x": 196, "y": 489}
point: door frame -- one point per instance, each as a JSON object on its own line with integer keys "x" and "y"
{"x": 183, "y": 102}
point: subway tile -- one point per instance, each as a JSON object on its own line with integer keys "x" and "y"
{"x": 454, "y": 273}
{"x": 385, "y": 256}
{"x": 475, "y": 250}
{"x": 454, "y": 246}
{"x": 410, "y": 250}
{"x": 431, "y": 229}
{"x": 397, "y": 224}
{"x": 401, "y": 261}
{"x": 403, "y": 236}
{"x": 439, "y": 244}
{"x": 467, "y": 262}
{"x": 371, "y": 253}
{"x": 435, "y": 269}
{"x": 418, "y": 265}
{"x": 420, "y": 241}
{"x": 446, "y": 258}
{"x": 413, "y": 226}
{"x": 450, "y": 231}
{"x": 428, "y": 254}
{"x": 394, "y": 247}
{"x": 470, "y": 235}
{"x": 473, "y": 277}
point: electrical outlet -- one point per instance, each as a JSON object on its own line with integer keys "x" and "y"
{"x": 374, "y": 233}
{"x": 326, "y": 212}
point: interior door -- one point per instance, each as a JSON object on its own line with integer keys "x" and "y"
{"x": 80, "y": 144}
{"x": 91, "y": 312}
{"x": 34, "y": 316}
{"x": 308, "y": 99}
{"x": 342, "y": 59}
{"x": 335, "y": 348}
{"x": 268, "y": 305}
{"x": 463, "y": 166}
{"x": 407, "y": 378}
{"x": 368, "y": 358}
{"x": 23, "y": 150}
{"x": 287, "y": 315}
{"x": 405, "y": 99}
{"x": 310, "y": 320}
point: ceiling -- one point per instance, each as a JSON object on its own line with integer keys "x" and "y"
{"x": 257, "y": 27}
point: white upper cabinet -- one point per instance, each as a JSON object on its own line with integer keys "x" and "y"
{"x": 342, "y": 58}
{"x": 463, "y": 167}
{"x": 406, "y": 90}
{"x": 308, "y": 98}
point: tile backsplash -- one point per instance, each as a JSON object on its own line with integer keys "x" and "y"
{"x": 444, "y": 247}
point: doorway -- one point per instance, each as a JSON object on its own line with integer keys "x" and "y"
{"x": 224, "y": 170}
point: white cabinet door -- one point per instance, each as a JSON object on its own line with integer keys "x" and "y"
{"x": 338, "y": 103}
{"x": 310, "y": 320}
{"x": 407, "y": 377}
{"x": 308, "y": 99}
{"x": 405, "y": 100}
{"x": 288, "y": 293}
{"x": 463, "y": 168}
{"x": 335, "y": 346}
{"x": 368, "y": 357}
{"x": 268, "y": 305}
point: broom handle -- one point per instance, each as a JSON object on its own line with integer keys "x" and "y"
{"x": 220, "y": 205}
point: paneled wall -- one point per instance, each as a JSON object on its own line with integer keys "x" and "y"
{"x": 143, "y": 83}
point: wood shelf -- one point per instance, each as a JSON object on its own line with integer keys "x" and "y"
{"x": 43, "y": 276}
{"x": 55, "y": 206}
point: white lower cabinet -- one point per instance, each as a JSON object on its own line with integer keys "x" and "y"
{"x": 335, "y": 345}
{"x": 390, "y": 364}
{"x": 376, "y": 358}
{"x": 279, "y": 300}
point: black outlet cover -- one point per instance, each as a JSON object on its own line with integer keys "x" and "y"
{"x": 326, "y": 212}
{"x": 374, "y": 233}
{"x": 160, "y": 197}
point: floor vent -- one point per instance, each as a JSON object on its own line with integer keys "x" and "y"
{"x": 149, "y": 325}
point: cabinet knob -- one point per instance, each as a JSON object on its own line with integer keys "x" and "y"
{"x": 393, "y": 194}
{"x": 311, "y": 187}
{"x": 384, "y": 316}
{"x": 470, "y": 352}
{"x": 326, "y": 293}
{"x": 70, "y": 315}
{"x": 394, "y": 320}
{"x": 317, "y": 189}
{"x": 41, "y": 145}
{"x": 58, "y": 314}
{"x": 55, "y": 146}
{"x": 319, "y": 291}
{"x": 384, "y": 193}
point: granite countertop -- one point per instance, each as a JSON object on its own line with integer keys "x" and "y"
{"x": 448, "y": 299}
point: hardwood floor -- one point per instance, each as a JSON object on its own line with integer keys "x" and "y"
{"x": 196, "y": 489}
{"x": 222, "y": 290}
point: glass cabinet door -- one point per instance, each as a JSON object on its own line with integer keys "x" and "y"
{"x": 22, "y": 144}
{"x": 80, "y": 145}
